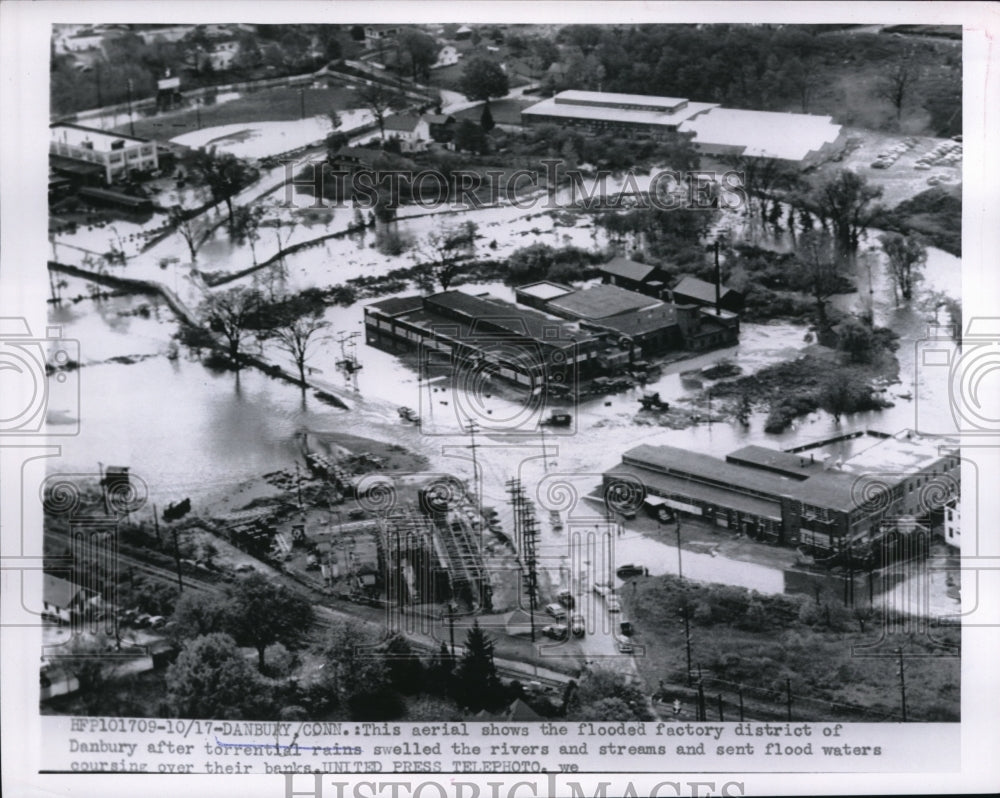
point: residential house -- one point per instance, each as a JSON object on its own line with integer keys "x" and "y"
{"x": 412, "y": 132}
{"x": 692, "y": 291}
{"x": 441, "y": 127}
{"x": 61, "y": 599}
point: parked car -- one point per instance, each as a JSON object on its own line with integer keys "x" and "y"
{"x": 578, "y": 625}
{"x": 602, "y": 588}
{"x": 625, "y": 647}
{"x": 567, "y": 600}
{"x": 630, "y": 570}
{"x": 626, "y": 628}
{"x": 614, "y": 605}
{"x": 557, "y": 611}
{"x": 157, "y": 622}
{"x": 556, "y": 631}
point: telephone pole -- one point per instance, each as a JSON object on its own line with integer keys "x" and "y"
{"x": 472, "y": 427}
{"x": 902, "y": 683}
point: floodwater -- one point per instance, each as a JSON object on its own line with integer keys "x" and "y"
{"x": 189, "y": 431}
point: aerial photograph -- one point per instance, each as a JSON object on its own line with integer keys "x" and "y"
{"x": 447, "y": 373}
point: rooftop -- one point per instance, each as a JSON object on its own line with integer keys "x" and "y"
{"x": 402, "y": 122}
{"x": 58, "y": 592}
{"x": 396, "y": 305}
{"x": 650, "y": 116}
{"x": 610, "y": 99}
{"x": 713, "y": 494}
{"x": 699, "y": 289}
{"x": 544, "y": 290}
{"x": 78, "y": 135}
{"x": 640, "y": 322}
{"x": 621, "y": 266}
{"x": 904, "y": 453}
{"x": 795, "y": 466}
{"x": 763, "y": 133}
{"x": 602, "y": 301}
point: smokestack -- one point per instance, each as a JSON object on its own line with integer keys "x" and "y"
{"x": 718, "y": 282}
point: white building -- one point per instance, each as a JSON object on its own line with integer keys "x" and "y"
{"x": 953, "y": 523}
{"x": 117, "y": 153}
{"x": 413, "y": 132}
{"x": 447, "y": 56}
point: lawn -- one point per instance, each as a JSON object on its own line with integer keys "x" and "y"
{"x": 769, "y": 644}
{"x": 271, "y": 105}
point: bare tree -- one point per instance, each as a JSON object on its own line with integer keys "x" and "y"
{"x": 246, "y": 227}
{"x": 297, "y": 336}
{"x": 229, "y": 313}
{"x": 379, "y": 99}
{"x": 443, "y": 253}
{"x": 905, "y": 256}
{"x": 848, "y": 202}
{"x": 191, "y": 229}
{"x": 897, "y": 81}
{"x": 822, "y": 271}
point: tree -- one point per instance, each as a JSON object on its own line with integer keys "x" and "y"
{"x": 820, "y": 270}
{"x": 441, "y": 672}
{"x": 483, "y": 79}
{"x": 603, "y": 684}
{"x": 477, "y": 684}
{"x": 296, "y": 336}
{"x": 212, "y": 679}
{"x": 197, "y": 614}
{"x": 404, "y": 667}
{"x": 486, "y": 119}
{"x": 379, "y": 98}
{"x": 246, "y": 227}
{"x": 421, "y": 50}
{"x": 443, "y": 252}
{"x": 192, "y": 230}
{"x": 469, "y": 137}
{"x": 847, "y": 201}
{"x": 897, "y": 81}
{"x": 262, "y": 612}
{"x": 905, "y": 257}
{"x": 841, "y": 395}
{"x": 358, "y": 674}
{"x": 229, "y": 313}
{"x": 224, "y": 174}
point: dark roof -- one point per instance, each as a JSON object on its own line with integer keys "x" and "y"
{"x": 61, "y": 163}
{"x": 58, "y": 592}
{"x": 700, "y": 290}
{"x": 831, "y": 489}
{"x": 487, "y": 314}
{"x": 704, "y": 466}
{"x": 712, "y": 494}
{"x": 394, "y": 306}
{"x": 601, "y": 301}
{"x": 359, "y": 153}
{"x": 439, "y": 119}
{"x": 407, "y": 122}
{"x": 796, "y": 466}
{"x": 630, "y": 269}
{"x": 640, "y": 322}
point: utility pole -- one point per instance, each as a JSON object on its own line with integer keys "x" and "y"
{"x": 902, "y": 683}
{"x": 131, "y": 123}
{"x": 156, "y": 525}
{"x": 472, "y": 427}
{"x": 177, "y": 561}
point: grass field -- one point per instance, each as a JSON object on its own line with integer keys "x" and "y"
{"x": 741, "y": 638}
{"x": 267, "y": 105}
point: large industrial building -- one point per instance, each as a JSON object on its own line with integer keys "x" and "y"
{"x": 818, "y": 502}
{"x": 111, "y": 155}
{"x": 794, "y": 138}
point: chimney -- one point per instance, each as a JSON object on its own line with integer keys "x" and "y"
{"x": 718, "y": 282}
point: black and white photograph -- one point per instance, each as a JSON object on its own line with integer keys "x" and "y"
{"x": 456, "y": 392}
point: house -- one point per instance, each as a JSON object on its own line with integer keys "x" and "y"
{"x": 953, "y": 523}
{"x": 116, "y": 153}
{"x": 447, "y": 56}
{"x": 464, "y": 33}
{"x": 412, "y": 132}
{"x": 379, "y": 35}
{"x": 517, "y": 711}
{"x": 440, "y": 126}
{"x": 61, "y": 600}
{"x": 55, "y": 681}
{"x": 692, "y": 291}
{"x": 634, "y": 276}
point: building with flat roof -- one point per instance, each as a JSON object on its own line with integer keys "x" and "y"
{"x": 800, "y": 499}
{"x": 516, "y": 344}
{"x": 116, "y": 153}
{"x": 713, "y": 129}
